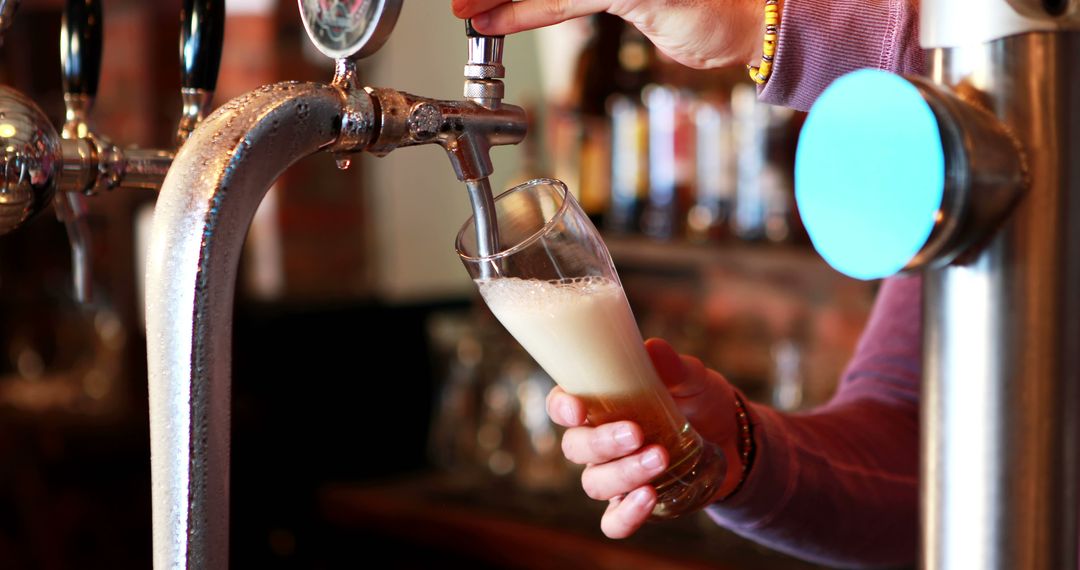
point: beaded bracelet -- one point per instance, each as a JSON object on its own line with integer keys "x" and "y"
{"x": 746, "y": 441}
{"x": 760, "y": 74}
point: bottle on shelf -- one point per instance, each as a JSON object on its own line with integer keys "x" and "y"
{"x": 595, "y": 80}
{"x": 671, "y": 169}
{"x": 629, "y": 164}
{"x": 764, "y": 200}
{"x": 628, "y": 121}
{"x": 714, "y": 200}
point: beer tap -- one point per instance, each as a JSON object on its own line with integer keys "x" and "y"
{"x": 39, "y": 165}
{"x": 80, "y": 60}
{"x": 206, "y": 204}
{"x": 483, "y": 86}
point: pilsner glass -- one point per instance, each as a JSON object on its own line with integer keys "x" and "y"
{"x": 553, "y": 286}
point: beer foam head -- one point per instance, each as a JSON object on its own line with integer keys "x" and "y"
{"x": 580, "y": 330}
{"x": 513, "y": 291}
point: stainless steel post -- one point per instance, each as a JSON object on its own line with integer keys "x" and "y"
{"x": 1002, "y": 331}
{"x": 1000, "y": 249}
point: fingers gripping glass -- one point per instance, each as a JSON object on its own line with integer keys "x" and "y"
{"x": 553, "y": 286}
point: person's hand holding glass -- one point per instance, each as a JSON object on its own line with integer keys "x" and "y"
{"x": 552, "y": 284}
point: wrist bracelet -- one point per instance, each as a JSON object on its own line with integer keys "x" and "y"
{"x": 746, "y": 441}
{"x": 760, "y": 73}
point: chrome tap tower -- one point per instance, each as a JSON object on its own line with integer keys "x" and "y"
{"x": 207, "y": 202}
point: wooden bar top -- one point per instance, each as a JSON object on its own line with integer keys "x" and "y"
{"x": 492, "y": 522}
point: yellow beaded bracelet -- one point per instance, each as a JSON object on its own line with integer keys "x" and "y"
{"x": 760, "y": 73}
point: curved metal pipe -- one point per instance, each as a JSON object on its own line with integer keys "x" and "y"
{"x": 208, "y": 199}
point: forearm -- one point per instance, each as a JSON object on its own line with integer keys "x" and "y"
{"x": 821, "y": 40}
{"x": 839, "y": 485}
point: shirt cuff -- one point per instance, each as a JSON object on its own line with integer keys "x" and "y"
{"x": 820, "y": 40}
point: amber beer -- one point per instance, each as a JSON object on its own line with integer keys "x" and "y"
{"x": 582, "y": 332}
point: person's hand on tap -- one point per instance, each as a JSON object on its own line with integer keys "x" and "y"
{"x": 696, "y": 33}
{"x": 618, "y": 467}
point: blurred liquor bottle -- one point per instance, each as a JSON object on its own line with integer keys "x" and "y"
{"x": 595, "y": 80}
{"x": 787, "y": 141}
{"x": 714, "y": 200}
{"x": 670, "y": 161}
{"x": 629, "y": 164}
{"x": 628, "y": 121}
{"x": 690, "y": 170}
{"x": 764, "y": 135}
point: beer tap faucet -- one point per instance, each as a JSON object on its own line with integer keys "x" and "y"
{"x": 483, "y": 86}
{"x": 465, "y": 129}
{"x": 206, "y": 204}
{"x": 80, "y": 60}
{"x": 38, "y": 165}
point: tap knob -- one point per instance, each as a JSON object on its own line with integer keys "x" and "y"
{"x": 485, "y": 54}
{"x": 202, "y": 32}
{"x": 484, "y": 68}
{"x": 80, "y": 57}
{"x": 80, "y": 52}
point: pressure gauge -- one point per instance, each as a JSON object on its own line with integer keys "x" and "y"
{"x": 349, "y": 28}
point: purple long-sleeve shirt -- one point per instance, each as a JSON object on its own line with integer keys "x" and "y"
{"x": 839, "y": 485}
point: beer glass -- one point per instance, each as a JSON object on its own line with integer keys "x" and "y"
{"x": 552, "y": 284}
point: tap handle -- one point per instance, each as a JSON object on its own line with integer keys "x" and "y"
{"x": 80, "y": 47}
{"x": 202, "y": 31}
{"x": 80, "y": 58}
{"x": 485, "y": 54}
{"x": 484, "y": 68}
{"x": 472, "y": 33}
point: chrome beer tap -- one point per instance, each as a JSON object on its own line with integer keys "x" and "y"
{"x": 483, "y": 86}
{"x": 40, "y": 165}
{"x": 206, "y": 204}
{"x": 80, "y": 60}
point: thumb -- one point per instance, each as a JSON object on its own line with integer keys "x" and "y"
{"x": 702, "y": 395}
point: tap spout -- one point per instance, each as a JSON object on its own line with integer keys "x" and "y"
{"x": 465, "y": 129}
{"x": 206, "y": 204}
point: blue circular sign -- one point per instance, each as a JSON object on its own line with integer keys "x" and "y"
{"x": 870, "y": 173}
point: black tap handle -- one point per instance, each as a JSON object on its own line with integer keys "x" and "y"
{"x": 202, "y": 31}
{"x": 80, "y": 46}
{"x": 471, "y": 32}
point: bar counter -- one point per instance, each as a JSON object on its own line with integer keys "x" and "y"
{"x": 487, "y": 523}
